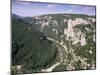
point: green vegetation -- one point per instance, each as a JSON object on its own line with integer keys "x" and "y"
{"x": 30, "y": 48}
{"x": 83, "y": 51}
{"x": 35, "y": 53}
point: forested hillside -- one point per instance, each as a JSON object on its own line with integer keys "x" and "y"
{"x": 76, "y": 36}
{"x": 53, "y": 42}
{"x": 31, "y": 50}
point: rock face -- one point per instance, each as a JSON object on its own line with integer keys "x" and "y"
{"x": 76, "y": 35}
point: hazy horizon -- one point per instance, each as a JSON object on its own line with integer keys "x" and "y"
{"x": 38, "y": 8}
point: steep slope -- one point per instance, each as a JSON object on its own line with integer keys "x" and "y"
{"x": 75, "y": 33}
{"x": 31, "y": 50}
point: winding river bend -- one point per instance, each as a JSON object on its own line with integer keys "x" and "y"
{"x": 62, "y": 55}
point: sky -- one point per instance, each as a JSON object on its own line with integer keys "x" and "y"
{"x": 34, "y": 8}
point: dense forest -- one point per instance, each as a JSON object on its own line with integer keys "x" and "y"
{"x": 53, "y": 42}
{"x": 30, "y": 48}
